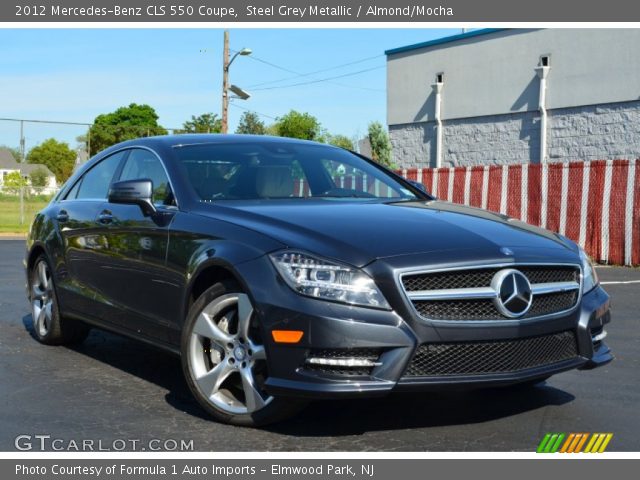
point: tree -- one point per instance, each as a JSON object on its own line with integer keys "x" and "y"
{"x": 380, "y": 144}
{"x": 14, "y": 181}
{"x": 82, "y": 143}
{"x": 250, "y": 124}
{"x": 56, "y": 156}
{"x": 341, "y": 141}
{"x": 298, "y": 125}
{"x": 205, "y": 123}
{"x": 125, "y": 123}
{"x": 38, "y": 177}
{"x": 15, "y": 152}
{"x": 271, "y": 130}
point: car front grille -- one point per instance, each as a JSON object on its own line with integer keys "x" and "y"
{"x": 481, "y": 277}
{"x": 486, "y": 310}
{"x": 556, "y": 289}
{"x": 492, "y": 357}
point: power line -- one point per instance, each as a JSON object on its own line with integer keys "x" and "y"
{"x": 57, "y": 122}
{"x": 298, "y": 74}
{"x": 350, "y": 74}
{"x": 91, "y": 125}
{"x": 337, "y": 67}
{"x": 258, "y": 59}
{"x": 250, "y": 110}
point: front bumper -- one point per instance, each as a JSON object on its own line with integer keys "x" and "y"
{"x": 396, "y": 335}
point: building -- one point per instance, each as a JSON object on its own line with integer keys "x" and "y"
{"x": 503, "y": 96}
{"x": 9, "y": 164}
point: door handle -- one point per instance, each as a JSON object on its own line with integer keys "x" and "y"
{"x": 105, "y": 217}
{"x": 62, "y": 216}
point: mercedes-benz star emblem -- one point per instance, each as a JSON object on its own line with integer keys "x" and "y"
{"x": 513, "y": 293}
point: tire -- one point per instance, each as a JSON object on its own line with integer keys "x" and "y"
{"x": 224, "y": 360}
{"x": 49, "y": 326}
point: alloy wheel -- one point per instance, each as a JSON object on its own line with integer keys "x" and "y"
{"x": 226, "y": 358}
{"x": 42, "y": 298}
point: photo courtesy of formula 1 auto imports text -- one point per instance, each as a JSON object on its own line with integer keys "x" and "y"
{"x": 324, "y": 239}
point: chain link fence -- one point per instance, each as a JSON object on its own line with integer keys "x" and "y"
{"x": 21, "y": 196}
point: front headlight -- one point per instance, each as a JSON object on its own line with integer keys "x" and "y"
{"x": 589, "y": 275}
{"x": 327, "y": 280}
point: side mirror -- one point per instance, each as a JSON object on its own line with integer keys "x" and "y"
{"x": 134, "y": 192}
{"x": 419, "y": 186}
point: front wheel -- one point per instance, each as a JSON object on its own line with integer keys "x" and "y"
{"x": 225, "y": 361}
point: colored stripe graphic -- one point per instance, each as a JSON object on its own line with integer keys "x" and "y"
{"x": 543, "y": 443}
{"x": 566, "y": 445}
{"x": 577, "y": 443}
{"x": 550, "y": 443}
{"x": 599, "y": 442}
{"x": 581, "y": 443}
{"x": 606, "y": 441}
{"x": 574, "y": 442}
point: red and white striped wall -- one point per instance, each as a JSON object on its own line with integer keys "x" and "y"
{"x": 596, "y": 204}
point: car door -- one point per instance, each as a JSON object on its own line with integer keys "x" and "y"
{"x": 134, "y": 277}
{"x": 83, "y": 245}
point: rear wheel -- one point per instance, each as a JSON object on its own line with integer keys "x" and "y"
{"x": 49, "y": 327}
{"x": 225, "y": 361}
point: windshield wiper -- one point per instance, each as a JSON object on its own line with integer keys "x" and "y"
{"x": 353, "y": 195}
{"x": 405, "y": 200}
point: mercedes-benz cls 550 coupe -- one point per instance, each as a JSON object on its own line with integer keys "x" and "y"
{"x": 283, "y": 270}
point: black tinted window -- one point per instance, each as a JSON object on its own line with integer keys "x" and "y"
{"x": 143, "y": 164}
{"x": 271, "y": 170}
{"x": 95, "y": 183}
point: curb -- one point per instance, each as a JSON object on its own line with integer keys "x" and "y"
{"x": 12, "y": 236}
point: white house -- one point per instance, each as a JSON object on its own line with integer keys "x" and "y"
{"x": 9, "y": 164}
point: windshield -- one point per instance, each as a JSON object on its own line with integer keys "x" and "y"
{"x": 276, "y": 170}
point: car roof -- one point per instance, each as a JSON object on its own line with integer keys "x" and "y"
{"x": 202, "y": 138}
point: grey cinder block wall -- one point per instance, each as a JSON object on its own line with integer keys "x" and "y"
{"x": 593, "y": 132}
{"x": 490, "y": 97}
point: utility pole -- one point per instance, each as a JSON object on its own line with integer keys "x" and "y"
{"x": 22, "y": 155}
{"x": 89, "y": 143}
{"x": 22, "y": 159}
{"x": 225, "y": 83}
{"x": 226, "y": 63}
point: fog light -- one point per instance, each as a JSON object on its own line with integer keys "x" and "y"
{"x": 599, "y": 337}
{"x": 352, "y": 362}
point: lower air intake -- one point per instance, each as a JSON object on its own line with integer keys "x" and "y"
{"x": 488, "y": 357}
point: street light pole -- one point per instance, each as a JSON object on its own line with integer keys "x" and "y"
{"x": 226, "y": 63}
{"x": 225, "y": 83}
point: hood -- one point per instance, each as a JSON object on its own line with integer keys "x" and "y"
{"x": 358, "y": 232}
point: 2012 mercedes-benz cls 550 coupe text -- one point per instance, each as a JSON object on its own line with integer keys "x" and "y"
{"x": 282, "y": 270}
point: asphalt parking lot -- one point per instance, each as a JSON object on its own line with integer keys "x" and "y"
{"x": 111, "y": 388}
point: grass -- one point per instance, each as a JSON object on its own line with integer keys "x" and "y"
{"x": 10, "y": 212}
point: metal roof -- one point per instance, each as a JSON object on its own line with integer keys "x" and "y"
{"x": 445, "y": 40}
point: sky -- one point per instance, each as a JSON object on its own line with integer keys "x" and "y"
{"x": 74, "y": 75}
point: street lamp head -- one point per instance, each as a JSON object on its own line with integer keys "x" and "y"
{"x": 243, "y": 52}
{"x": 240, "y": 93}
